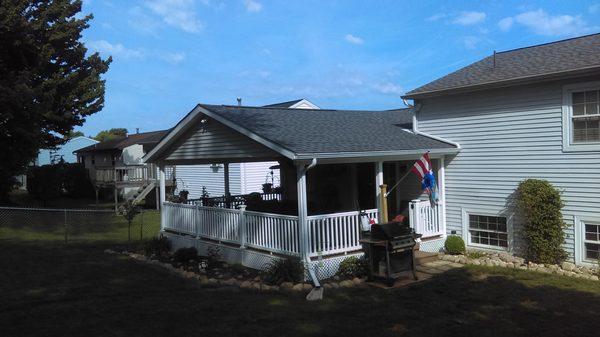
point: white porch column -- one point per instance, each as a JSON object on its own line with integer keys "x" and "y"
{"x": 378, "y": 182}
{"x": 304, "y": 240}
{"x": 441, "y": 173}
{"x": 162, "y": 188}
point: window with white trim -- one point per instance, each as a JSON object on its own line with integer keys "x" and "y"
{"x": 585, "y": 116}
{"x": 488, "y": 230}
{"x": 581, "y": 117}
{"x": 592, "y": 241}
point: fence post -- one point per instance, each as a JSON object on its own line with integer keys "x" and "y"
{"x": 66, "y": 227}
{"x": 413, "y": 214}
{"x": 196, "y": 221}
{"x": 242, "y": 226}
{"x": 142, "y": 226}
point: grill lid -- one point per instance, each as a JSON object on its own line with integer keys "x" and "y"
{"x": 390, "y": 231}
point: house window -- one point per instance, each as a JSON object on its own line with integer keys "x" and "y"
{"x": 490, "y": 231}
{"x": 592, "y": 241}
{"x": 585, "y": 116}
{"x": 581, "y": 117}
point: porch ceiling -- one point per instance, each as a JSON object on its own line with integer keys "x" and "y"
{"x": 266, "y": 133}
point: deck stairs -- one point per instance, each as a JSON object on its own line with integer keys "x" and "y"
{"x": 142, "y": 192}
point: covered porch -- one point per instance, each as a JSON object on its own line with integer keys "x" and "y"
{"x": 316, "y": 214}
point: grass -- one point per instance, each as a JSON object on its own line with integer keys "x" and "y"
{"x": 53, "y": 289}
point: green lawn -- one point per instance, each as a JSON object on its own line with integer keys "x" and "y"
{"x": 52, "y": 289}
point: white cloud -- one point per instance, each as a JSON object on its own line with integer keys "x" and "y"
{"x": 543, "y": 23}
{"x": 116, "y": 50}
{"x": 471, "y": 42}
{"x": 353, "y": 39}
{"x": 252, "y": 6}
{"x": 469, "y": 18}
{"x": 173, "y": 58}
{"x": 177, "y": 13}
{"x": 506, "y": 23}
{"x": 593, "y": 9}
{"x": 389, "y": 88}
{"x": 437, "y": 16}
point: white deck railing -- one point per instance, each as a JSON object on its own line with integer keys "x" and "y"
{"x": 426, "y": 220}
{"x": 273, "y": 232}
{"x": 335, "y": 233}
{"x": 329, "y": 233}
{"x": 270, "y": 232}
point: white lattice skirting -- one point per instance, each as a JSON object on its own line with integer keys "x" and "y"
{"x": 325, "y": 268}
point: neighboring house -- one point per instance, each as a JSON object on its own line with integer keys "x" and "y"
{"x": 63, "y": 152}
{"x": 244, "y": 178}
{"x": 526, "y": 113}
{"x": 116, "y": 164}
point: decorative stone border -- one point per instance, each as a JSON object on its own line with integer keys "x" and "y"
{"x": 256, "y": 283}
{"x": 506, "y": 260}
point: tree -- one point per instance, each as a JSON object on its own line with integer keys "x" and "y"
{"x": 74, "y": 134}
{"x": 129, "y": 210}
{"x": 47, "y": 85}
{"x": 111, "y": 134}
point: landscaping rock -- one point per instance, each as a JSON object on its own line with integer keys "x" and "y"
{"x": 287, "y": 285}
{"x": 346, "y": 284}
{"x": 298, "y": 287}
{"x": 307, "y": 286}
{"x": 568, "y": 266}
{"x": 246, "y": 285}
{"x": 357, "y": 281}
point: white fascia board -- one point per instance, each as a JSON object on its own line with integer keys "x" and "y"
{"x": 304, "y": 101}
{"x": 374, "y": 155}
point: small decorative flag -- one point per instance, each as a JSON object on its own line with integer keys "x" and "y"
{"x": 423, "y": 169}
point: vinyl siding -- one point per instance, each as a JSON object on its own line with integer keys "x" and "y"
{"x": 254, "y": 175}
{"x": 216, "y": 141}
{"x": 244, "y": 178}
{"x": 193, "y": 177}
{"x": 508, "y": 135}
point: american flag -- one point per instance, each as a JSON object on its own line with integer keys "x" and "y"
{"x": 423, "y": 169}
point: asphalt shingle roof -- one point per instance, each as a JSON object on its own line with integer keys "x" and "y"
{"x": 283, "y": 104}
{"x": 308, "y": 131}
{"x": 551, "y": 58}
{"x": 120, "y": 143}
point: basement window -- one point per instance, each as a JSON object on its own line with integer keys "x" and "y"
{"x": 592, "y": 242}
{"x": 488, "y": 231}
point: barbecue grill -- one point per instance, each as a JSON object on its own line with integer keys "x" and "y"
{"x": 390, "y": 250}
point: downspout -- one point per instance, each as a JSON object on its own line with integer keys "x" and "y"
{"x": 311, "y": 271}
{"x": 415, "y": 123}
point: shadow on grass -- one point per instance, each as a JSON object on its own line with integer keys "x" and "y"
{"x": 78, "y": 290}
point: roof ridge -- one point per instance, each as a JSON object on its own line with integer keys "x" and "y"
{"x": 545, "y": 44}
{"x": 297, "y": 110}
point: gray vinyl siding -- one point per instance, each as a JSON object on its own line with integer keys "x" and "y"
{"x": 508, "y": 135}
{"x": 215, "y": 141}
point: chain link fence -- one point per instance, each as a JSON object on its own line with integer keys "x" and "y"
{"x": 72, "y": 225}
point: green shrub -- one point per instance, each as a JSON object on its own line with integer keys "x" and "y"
{"x": 77, "y": 182}
{"x": 157, "y": 246}
{"x": 353, "y": 267}
{"x": 284, "y": 270}
{"x": 475, "y": 254}
{"x": 454, "y": 245}
{"x": 540, "y": 204}
{"x": 184, "y": 255}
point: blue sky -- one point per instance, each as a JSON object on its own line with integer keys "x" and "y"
{"x": 169, "y": 55}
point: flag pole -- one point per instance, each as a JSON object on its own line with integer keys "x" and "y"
{"x": 398, "y": 183}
